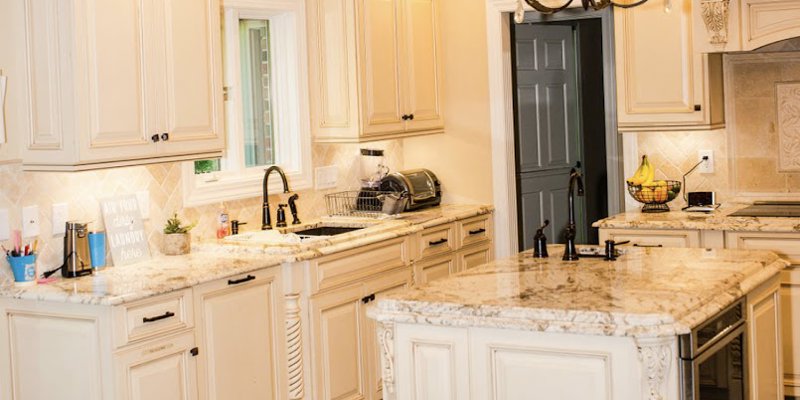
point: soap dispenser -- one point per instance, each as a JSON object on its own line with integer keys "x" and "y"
{"x": 540, "y": 241}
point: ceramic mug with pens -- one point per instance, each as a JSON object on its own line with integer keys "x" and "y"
{"x": 22, "y": 260}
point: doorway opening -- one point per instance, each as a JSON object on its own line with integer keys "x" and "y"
{"x": 561, "y": 120}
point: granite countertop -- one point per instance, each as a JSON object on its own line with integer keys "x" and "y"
{"x": 214, "y": 260}
{"x": 718, "y": 220}
{"x": 645, "y": 293}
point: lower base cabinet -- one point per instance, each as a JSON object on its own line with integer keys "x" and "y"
{"x": 763, "y": 336}
{"x": 158, "y": 370}
{"x": 237, "y": 327}
{"x": 345, "y": 352}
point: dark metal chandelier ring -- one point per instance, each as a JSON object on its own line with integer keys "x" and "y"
{"x": 593, "y": 4}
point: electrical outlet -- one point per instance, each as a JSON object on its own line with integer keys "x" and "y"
{"x": 5, "y": 227}
{"x": 30, "y": 221}
{"x": 143, "y": 198}
{"x": 326, "y": 177}
{"x": 708, "y": 166}
{"x": 60, "y": 216}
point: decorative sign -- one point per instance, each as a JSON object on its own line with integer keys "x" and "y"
{"x": 125, "y": 230}
{"x": 788, "y": 98}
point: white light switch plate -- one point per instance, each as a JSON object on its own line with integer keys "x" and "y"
{"x": 143, "y": 198}
{"x": 60, "y": 216}
{"x": 5, "y": 228}
{"x": 326, "y": 177}
{"x": 30, "y": 221}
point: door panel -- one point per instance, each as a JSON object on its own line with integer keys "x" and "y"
{"x": 119, "y": 77}
{"x": 336, "y": 332}
{"x": 380, "y": 73}
{"x": 547, "y": 124}
{"x": 422, "y": 67}
{"x": 238, "y": 358}
{"x": 194, "y": 77}
{"x": 157, "y": 370}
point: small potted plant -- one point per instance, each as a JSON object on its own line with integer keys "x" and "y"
{"x": 177, "y": 240}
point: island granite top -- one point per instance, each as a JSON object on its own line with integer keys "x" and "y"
{"x": 217, "y": 260}
{"x": 644, "y": 293}
{"x": 719, "y": 220}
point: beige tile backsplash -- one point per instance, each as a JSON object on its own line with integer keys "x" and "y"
{"x": 746, "y": 152}
{"x": 83, "y": 190}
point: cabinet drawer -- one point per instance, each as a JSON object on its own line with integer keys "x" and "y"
{"x": 475, "y": 256}
{"x": 437, "y": 240}
{"x": 786, "y": 245}
{"x": 437, "y": 268}
{"x": 151, "y": 317}
{"x": 475, "y": 230}
{"x": 344, "y": 267}
{"x": 653, "y": 238}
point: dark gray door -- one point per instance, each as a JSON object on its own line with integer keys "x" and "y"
{"x": 548, "y": 130}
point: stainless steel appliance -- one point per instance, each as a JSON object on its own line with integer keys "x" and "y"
{"x": 422, "y": 186}
{"x": 77, "y": 259}
{"x": 712, "y": 357}
{"x": 770, "y": 209}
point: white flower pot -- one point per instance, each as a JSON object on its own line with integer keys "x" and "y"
{"x": 177, "y": 243}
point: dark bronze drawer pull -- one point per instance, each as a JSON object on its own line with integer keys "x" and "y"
{"x": 437, "y": 242}
{"x": 647, "y": 245}
{"x": 367, "y": 299}
{"x": 243, "y": 280}
{"x": 477, "y": 231}
{"x": 166, "y": 315}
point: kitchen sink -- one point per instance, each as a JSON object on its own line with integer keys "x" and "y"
{"x": 326, "y": 231}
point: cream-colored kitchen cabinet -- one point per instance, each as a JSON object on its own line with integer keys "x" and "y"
{"x": 239, "y": 332}
{"x": 742, "y": 25}
{"x": 653, "y": 237}
{"x": 662, "y": 83}
{"x": 337, "y": 344}
{"x": 375, "y": 69}
{"x": 787, "y": 245}
{"x": 157, "y": 370}
{"x": 764, "y": 334}
{"x": 474, "y": 256}
{"x": 434, "y": 269}
{"x": 121, "y": 83}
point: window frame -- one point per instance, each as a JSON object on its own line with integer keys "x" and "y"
{"x": 290, "y": 109}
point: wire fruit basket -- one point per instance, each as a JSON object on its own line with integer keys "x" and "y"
{"x": 365, "y": 203}
{"x": 655, "y": 195}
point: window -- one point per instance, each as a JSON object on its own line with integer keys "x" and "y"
{"x": 266, "y": 103}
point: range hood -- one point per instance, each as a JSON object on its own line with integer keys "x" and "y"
{"x": 743, "y": 25}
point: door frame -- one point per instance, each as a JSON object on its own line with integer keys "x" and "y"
{"x": 501, "y": 106}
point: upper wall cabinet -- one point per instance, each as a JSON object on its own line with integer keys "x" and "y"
{"x": 741, "y": 25}
{"x": 122, "y": 82}
{"x": 375, "y": 69}
{"x": 662, "y": 83}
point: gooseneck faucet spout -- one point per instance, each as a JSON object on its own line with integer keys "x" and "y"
{"x": 570, "y": 253}
{"x": 266, "y": 221}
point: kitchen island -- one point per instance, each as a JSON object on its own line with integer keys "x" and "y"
{"x": 592, "y": 329}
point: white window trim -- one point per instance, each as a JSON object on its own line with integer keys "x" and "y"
{"x": 290, "y": 86}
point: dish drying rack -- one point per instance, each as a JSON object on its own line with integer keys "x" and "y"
{"x": 365, "y": 203}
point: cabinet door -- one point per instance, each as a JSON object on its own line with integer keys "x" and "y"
{"x": 659, "y": 77}
{"x": 237, "y": 329}
{"x": 338, "y": 366}
{"x": 764, "y": 338}
{"x": 382, "y": 107}
{"x": 379, "y": 286}
{"x": 193, "y": 77}
{"x": 122, "y": 75}
{"x": 157, "y": 370}
{"x": 790, "y": 320}
{"x": 422, "y": 68}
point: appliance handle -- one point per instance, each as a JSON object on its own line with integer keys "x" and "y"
{"x": 720, "y": 336}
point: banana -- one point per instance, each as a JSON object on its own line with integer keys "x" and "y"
{"x": 641, "y": 174}
{"x": 651, "y": 172}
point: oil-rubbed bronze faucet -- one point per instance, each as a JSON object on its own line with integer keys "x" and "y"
{"x": 266, "y": 222}
{"x": 570, "y": 253}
